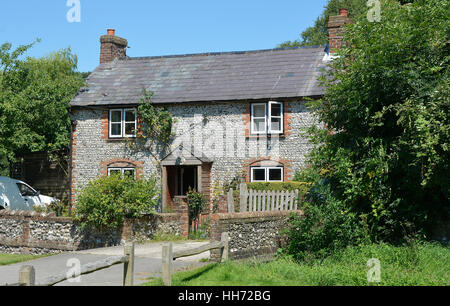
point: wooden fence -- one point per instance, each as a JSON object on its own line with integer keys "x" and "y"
{"x": 27, "y": 274}
{"x": 254, "y": 200}
{"x": 168, "y": 256}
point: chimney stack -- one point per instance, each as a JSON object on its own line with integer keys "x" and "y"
{"x": 112, "y": 47}
{"x": 336, "y": 31}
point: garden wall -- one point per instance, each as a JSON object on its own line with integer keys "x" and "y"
{"x": 252, "y": 234}
{"x": 34, "y": 233}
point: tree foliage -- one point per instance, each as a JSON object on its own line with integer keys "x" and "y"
{"x": 385, "y": 152}
{"x": 34, "y": 101}
{"x": 318, "y": 33}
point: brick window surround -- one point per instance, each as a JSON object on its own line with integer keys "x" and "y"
{"x": 287, "y": 120}
{"x": 122, "y": 163}
{"x": 268, "y": 161}
{"x": 105, "y": 126}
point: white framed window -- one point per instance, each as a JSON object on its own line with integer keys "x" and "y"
{"x": 259, "y": 118}
{"x": 267, "y": 174}
{"x": 276, "y": 125}
{"x": 123, "y": 172}
{"x": 267, "y": 118}
{"x": 122, "y": 123}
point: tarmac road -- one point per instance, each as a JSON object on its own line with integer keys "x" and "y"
{"x": 147, "y": 264}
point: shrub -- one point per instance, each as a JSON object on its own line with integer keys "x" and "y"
{"x": 291, "y": 186}
{"x": 326, "y": 227}
{"x": 385, "y": 148}
{"x": 197, "y": 203}
{"x": 105, "y": 202}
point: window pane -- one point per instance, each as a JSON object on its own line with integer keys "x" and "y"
{"x": 116, "y": 116}
{"x": 259, "y": 110}
{"x": 259, "y": 174}
{"x": 25, "y": 191}
{"x": 128, "y": 173}
{"x": 114, "y": 172}
{"x": 275, "y": 124}
{"x": 259, "y": 125}
{"x": 275, "y": 175}
{"x": 130, "y": 116}
{"x": 130, "y": 128}
{"x": 276, "y": 110}
{"x": 116, "y": 129}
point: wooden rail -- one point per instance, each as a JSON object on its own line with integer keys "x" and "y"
{"x": 168, "y": 256}
{"x": 27, "y": 273}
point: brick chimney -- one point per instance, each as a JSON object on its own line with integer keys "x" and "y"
{"x": 336, "y": 31}
{"x": 112, "y": 47}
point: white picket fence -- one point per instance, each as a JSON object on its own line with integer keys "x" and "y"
{"x": 272, "y": 200}
{"x": 254, "y": 200}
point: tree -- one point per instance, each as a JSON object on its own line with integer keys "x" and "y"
{"x": 34, "y": 101}
{"x": 318, "y": 34}
{"x": 385, "y": 151}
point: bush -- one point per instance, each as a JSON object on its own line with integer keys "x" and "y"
{"x": 385, "y": 148}
{"x": 59, "y": 208}
{"x": 105, "y": 202}
{"x": 326, "y": 227}
{"x": 291, "y": 186}
{"x": 197, "y": 203}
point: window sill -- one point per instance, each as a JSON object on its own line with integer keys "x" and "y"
{"x": 121, "y": 139}
{"x": 264, "y": 136}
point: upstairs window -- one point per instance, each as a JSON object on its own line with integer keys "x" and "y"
{"x": 267, "y": 118}
{"x": 267, "y": 174}
{"x": 122, "y": 123}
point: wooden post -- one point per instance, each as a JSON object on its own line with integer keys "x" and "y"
{"x": 167, "y": 259}
{"x": 230, "y": 199}
{"x": 226, "y": 249}
{"x": 243, "y": 198}
{"x": 164, "y": 189}
{"x": 27, "y": 276}
{"x": 128, "y": 267}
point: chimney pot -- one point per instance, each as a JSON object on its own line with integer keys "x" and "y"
{"x": 111, "y": 32}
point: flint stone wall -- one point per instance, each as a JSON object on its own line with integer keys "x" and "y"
{"x": 252, "y": 234}
{"x": 34, "y": 233}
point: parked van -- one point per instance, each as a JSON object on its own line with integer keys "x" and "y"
{"x": 17, "y": 195}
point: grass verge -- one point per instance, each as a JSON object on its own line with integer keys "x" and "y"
{"x": 421, "y": 264}
{"x": 9, "y": 259}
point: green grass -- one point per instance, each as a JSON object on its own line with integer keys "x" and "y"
{"x": 9, "y": 259}
{"x": 423, "y": 264}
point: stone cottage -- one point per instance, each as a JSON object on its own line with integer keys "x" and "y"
{"x": 238, "y": 115}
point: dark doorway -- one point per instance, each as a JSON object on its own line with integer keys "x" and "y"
{"x": 187, "y": 177}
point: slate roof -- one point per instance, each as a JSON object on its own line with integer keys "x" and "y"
{"x": 208, "y": 77}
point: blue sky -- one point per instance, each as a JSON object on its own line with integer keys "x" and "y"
{"x": 156, "y": 27}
